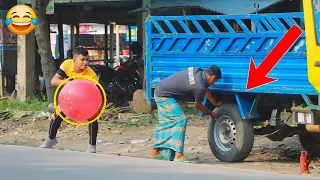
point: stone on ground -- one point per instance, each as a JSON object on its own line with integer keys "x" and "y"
{"x": 139, "y": 104}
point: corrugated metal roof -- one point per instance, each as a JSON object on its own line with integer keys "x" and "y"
{"x": 220, "y": 6}
{"x": 78, "y": 1}
{"x": 81, "y": 1}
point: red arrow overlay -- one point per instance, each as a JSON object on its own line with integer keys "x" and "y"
{"x": 258, "y": 76}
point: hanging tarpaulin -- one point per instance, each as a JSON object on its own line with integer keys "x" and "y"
{"x": 8, "y": 40}
{"x": 50, "y": 7}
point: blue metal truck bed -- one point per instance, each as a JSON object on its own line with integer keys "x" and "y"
{"x": 286, "y": 107}
{"x": 177, "y": 42}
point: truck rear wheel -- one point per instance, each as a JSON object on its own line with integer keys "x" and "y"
{"x": 230, "y": 138}
{"x": 311, "y": 143}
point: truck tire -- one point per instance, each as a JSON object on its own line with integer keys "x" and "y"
{"x": 230, "y": 138}
{"x": 311, "y": 143}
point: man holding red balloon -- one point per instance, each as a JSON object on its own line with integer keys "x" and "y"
{"x": 77, "y": 66}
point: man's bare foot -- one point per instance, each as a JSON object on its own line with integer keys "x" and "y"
{"x": 154, "y": 153}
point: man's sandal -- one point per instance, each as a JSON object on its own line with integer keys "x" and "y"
{"x": 161, "y": 158}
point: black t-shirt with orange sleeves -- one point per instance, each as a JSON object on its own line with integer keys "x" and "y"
{"x": 66, "y": 70}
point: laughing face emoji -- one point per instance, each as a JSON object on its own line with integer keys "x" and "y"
{"x": 21, "y": 19}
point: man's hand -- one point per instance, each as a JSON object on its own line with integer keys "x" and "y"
{"x": 212, "y": 99}
{"x": 56, "y": 80}
{"x": 213, "y": 115}
{"x": 205, "y": 110}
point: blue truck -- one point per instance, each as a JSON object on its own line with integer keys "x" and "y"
{"x": 289, "y": 106}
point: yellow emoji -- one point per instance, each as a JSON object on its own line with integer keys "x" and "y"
{"x": 21, "y": 19}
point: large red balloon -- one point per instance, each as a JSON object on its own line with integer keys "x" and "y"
{"x": 80, "y": 100}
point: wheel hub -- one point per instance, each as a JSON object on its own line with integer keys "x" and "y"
{"x": 225, "y": 133}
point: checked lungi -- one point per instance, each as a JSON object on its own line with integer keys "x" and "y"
{"x": 171, "y": 129}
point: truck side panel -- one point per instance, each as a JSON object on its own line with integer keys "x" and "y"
{"x": 175, "y": 43}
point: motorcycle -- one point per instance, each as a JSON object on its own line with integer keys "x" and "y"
{"x": 120, "y": 82}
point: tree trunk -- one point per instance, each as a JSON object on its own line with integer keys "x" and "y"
{"x": 42, "y": 34}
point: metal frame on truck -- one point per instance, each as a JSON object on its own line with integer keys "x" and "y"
{"x": 283, "y": 108}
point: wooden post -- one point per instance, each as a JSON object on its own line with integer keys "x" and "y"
{"x": 106, "y": 38}
{"x": 60, "y": 36}
{"x": 73, "y": 42}
{"x": 130, "y": 40}
{"x": 2, "y": 90}
{"x": 143, "y": 29}
{"x": 186, "y": 13}
{"x": 77, "y": 35}
{"x": 117, "y": 42}
{"x": 112, "y": 42}
{"x": 235, "y": 26}
{"x": 1, "y": 85}
{"x": 26, "y": 66}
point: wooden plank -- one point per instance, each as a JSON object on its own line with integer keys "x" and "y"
{"x": 106, "y": 39}
{"x": 26, "y": 66}
{"x": 1, "y": 85}
{"x": 60, "y": 38}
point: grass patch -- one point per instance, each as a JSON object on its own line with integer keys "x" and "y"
{"x": 29, "y": 105}
{"x": 141, "y": 122}
{"x": 145, "y": 121}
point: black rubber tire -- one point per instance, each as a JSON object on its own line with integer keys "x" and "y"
{"x": 244, "y": 137}
{"x": 311, "y": 143}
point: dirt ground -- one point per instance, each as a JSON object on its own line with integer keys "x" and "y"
{"x": 133, "y": 137}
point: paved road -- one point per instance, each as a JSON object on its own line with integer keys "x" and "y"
{"x": 23, "y": 163}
